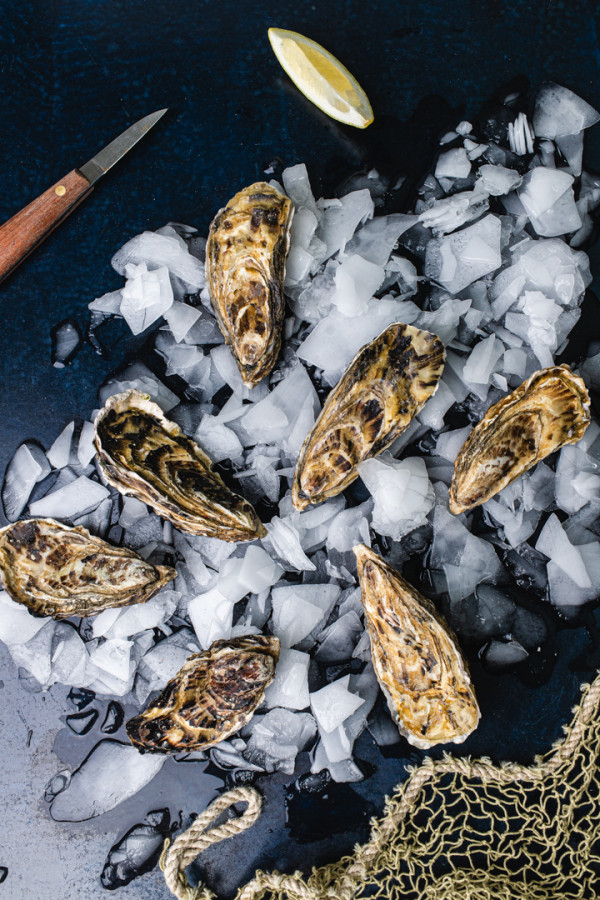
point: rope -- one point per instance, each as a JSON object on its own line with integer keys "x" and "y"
{"x": 343, "y": 880}
{"x": 177, "y": 857}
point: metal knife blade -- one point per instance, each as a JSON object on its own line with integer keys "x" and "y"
{"x": 99, "y": 164}
{"x": 29, "y": 227}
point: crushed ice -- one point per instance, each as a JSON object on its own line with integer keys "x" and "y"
{"x": 496, "y": 272}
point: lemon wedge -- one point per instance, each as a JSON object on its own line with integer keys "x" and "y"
{"x": 321, "y": 78}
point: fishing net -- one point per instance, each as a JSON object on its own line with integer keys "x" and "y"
{"x": 457, "y": 829}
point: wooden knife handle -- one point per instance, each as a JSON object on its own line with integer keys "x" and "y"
{"x": 28, "y": 228}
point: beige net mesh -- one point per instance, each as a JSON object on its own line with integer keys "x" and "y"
{"x": 457, "y": 829}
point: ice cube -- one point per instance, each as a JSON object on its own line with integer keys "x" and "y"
{"x": 219, "y": 441}
{"x": 558, "y": 111}
{"x": 161, "y": 251}
{"x": 35, "y": 654}
{"x": 342, "y": 217}
{"x": 59, "y": 452}
{"x": 333, "y": 704}
{"x": 433, "y": 413}
{"x": 258, "y": 570}
{"x": 350, "y": 527}
{"x": 180, "y": 317}
{"x": 453, "y": 164}
{"x": 133, "y": 510}
{"x": 284, "y": 541}
{"x": 497, "y": 180}
{"x": 211, "y": 615}
{"x": 577, "y": 479}
{"x": 401, "y": 492}
{"x": 23, "y": 472}
{"x": 69, "y": 657}
{"x": 271, "y": 420}
{"x": 554, "y": 543}
{"x": 459, "y": 259}
{"x": 299, "y": 609}
{"x": 145, "y": 297}
{"x": 165, "y": 659}
{"x": 356, "y": 280}
{"x": 290, "y": 685}
{"x": 110, "y": 774}
{"x": 143, "y": 616}
{"x": 17, "y": 625}
{"x": 66, "y": 341}
{"x": 108, "y": 303}
{"x": 547, "y": 196}
{"x": 297, "y": 186}
{"x": 113, "y": 656}
{"x": 450, "y": 442}
{"x": 451, "y": 213}
{"x": 74, "y": 499}
{"x": 483, "y": 360}
{"x": 338, "y": 640}
{"x": 85, "y": 448}
{"x": 378, "y": 237}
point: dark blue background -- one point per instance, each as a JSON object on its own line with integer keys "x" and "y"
{"x": 74, "y": 73}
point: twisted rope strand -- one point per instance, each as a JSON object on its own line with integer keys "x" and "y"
{"x": 199, "y": 836}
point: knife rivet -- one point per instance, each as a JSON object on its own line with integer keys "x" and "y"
{"x": 60, "y": 190}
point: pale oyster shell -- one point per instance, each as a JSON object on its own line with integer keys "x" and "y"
{"x": 384, "y": 387}
{"x": 416, "y": 658}
{"x": 550, "y": 409}
{"x": 58, "y": 571}
{"x": 145, "y": 455}
{"x": 212, "y": 696}
{"x": 247, "y": 247}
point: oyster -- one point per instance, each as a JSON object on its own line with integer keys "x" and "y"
{"x": 549, "y": 410}
{"x": 383, "y": 388}
{"x": 212, "y": 696}
{"x": 58, "y": 571}
{"x": 416, "y": 659}
{"x": 144, "y": 454}
{"x": 246, "y": 252}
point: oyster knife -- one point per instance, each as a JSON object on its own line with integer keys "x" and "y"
{"x": 26, "y": 229}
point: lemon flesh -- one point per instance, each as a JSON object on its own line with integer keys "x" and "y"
{"x": 321, "y": 78}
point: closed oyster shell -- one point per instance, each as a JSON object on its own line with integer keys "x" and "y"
{"x": 144, "y": 454}
{"x": 58, "y": 571}
{"x": 246, "y": 252}
{"x": 416, "y": 658}
{"x": 212, "y": 696}
{"x": 383, "y": 388}
{"x": 550, "y": 409}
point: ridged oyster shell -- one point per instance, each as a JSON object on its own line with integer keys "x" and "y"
{"x": 246, "y": 253}
{"x": 58, "y": 571}
{"x": 382, "y": 390}
{"x": 550, "y": 409}
{"x": 416, "y": 658}
{"x": 143, "y": 454}
{"x": 210, "y": 698}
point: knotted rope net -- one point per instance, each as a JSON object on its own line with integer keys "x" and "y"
{"x": 457, "y": 829}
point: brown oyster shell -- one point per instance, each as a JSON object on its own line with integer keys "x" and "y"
{"x": 58, "y": 571}
{"x": 550, "y": 409}
{"x": 145, "y": 455}
{"x": 416, "y": 658}
{"x": 247, "y": 247}
{"x": 383, "y": 388}
{"x": 212, "y": 696}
